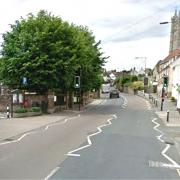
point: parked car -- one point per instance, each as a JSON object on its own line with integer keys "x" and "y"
{"x": 114, "y": 93}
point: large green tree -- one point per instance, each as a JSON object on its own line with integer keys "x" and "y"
{"x": 50, "y": 52}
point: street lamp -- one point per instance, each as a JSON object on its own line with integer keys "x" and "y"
{"x": 165, "y": 22}
{"x": 164, "y": 78}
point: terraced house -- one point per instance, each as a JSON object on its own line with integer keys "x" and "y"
{"x": 166, "y": 68}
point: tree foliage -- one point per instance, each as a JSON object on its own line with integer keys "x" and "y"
{"x": 49, "y": 52}
{"x": 137, "y": 85}
{"x": 125, "y": 80}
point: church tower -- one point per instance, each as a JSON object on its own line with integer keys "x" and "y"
{"x": 175, "y": 32}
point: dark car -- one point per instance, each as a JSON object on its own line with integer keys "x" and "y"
{"x": 114, "y": 93}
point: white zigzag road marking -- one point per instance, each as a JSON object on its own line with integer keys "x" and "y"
{"x": 72, "y": 153}
{"x": 174, "y": 164}
{"x": 124, "y": 105}
{"x": 33, "y": 132}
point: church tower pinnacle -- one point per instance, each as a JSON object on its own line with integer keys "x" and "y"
{"x": 175, "y": 32}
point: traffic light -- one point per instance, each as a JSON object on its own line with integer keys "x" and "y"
{"x": 77, "y": 82}
{"x": 165, "y": 81}
{"x": 145, "y": 81}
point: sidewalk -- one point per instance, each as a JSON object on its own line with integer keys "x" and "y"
{"x": 168, "y": 106}
{"x": 169, "y": 115}
{"x": 173, "y": 123}
{"x": 17, "y": 126}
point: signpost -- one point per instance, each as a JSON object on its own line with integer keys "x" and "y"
{"x": 24, "y": 82}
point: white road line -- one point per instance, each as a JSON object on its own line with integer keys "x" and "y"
{"x": 124, "y": 105}
{"x": 52, "y": 173}
{"x": 174, "y": 163}
{"x": 33, "y": 132}
{"x": 72, "y": 153}
{"x": 161, "y": 164}
{"x": 178, "y": 171}
{"x": 55, "y": 124}
{"x": 19, "y": 139}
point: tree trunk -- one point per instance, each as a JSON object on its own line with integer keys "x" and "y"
{"x": 71, "y": 97}
{"x": 67, "y": 100}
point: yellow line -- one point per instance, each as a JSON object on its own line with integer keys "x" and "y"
{"x": 178, "y": 171}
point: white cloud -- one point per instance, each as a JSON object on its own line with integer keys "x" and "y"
{"x": 127, "y": 28}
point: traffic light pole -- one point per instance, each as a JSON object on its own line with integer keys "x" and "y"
{"x": 79, "y": 98}
{"x": 77, "y": 85}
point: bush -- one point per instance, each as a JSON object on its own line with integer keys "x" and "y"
{"x": 137, "y": 85}
{"x": 35, "y": 109}
{"x": 178, "y": 88}
{"x": 173, "y": 99}
{"x": 20, "y": 110}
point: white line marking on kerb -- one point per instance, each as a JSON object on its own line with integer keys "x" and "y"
{"x": 55, "y": 124}
{"x": 19, "y": 139}
{"x": 52, "y": 173}
{"x": 72, "y": 153}
{"x": 33, "y": 132}
{"x": 174, "y": 163}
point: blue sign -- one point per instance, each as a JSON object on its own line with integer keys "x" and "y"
{"x": 24, "y": 81}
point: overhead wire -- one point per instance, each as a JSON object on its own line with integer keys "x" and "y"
{"x": 133, "y": 25}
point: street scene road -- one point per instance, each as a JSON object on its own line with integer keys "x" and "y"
{"x": 112, "y": 138}
{"x": 90, "y": 95}
{"x": 129, "y": 148}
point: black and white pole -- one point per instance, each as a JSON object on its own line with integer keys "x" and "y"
{"x": 8, "y": 112}
{"x": 167, "y": 115}
{"x": 162, "y": 98}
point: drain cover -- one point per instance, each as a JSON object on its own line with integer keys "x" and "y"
{"x": 169, "y": 142}
{"x": 9, "y": 139}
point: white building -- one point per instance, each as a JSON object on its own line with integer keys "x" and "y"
{"x": 176, "y": 81}
{"x": 175, "y": 77}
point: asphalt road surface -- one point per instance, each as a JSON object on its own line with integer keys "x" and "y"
{"x": 132, "y": 147}
{"x": 117, "y": 139}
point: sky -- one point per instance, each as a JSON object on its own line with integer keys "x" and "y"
{"x": 129, "y": 30}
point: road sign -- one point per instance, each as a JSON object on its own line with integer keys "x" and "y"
{"x": 24, "y": 81}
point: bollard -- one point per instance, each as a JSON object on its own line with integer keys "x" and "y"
{"x": 162, "y": 101}
{"x": 167, "y": 115}
{"x": 8, "y": 113}
{"x": 156, "y": 102}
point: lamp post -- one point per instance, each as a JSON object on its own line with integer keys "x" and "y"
{"x": 164, "y": 78}
{"x": 165, "y": 22}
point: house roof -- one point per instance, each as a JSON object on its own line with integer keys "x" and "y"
{"x": 172, "y": 54}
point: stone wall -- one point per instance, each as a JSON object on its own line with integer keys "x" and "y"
{"x": 5, "y": 100}
{"x": 34, "y": 99}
